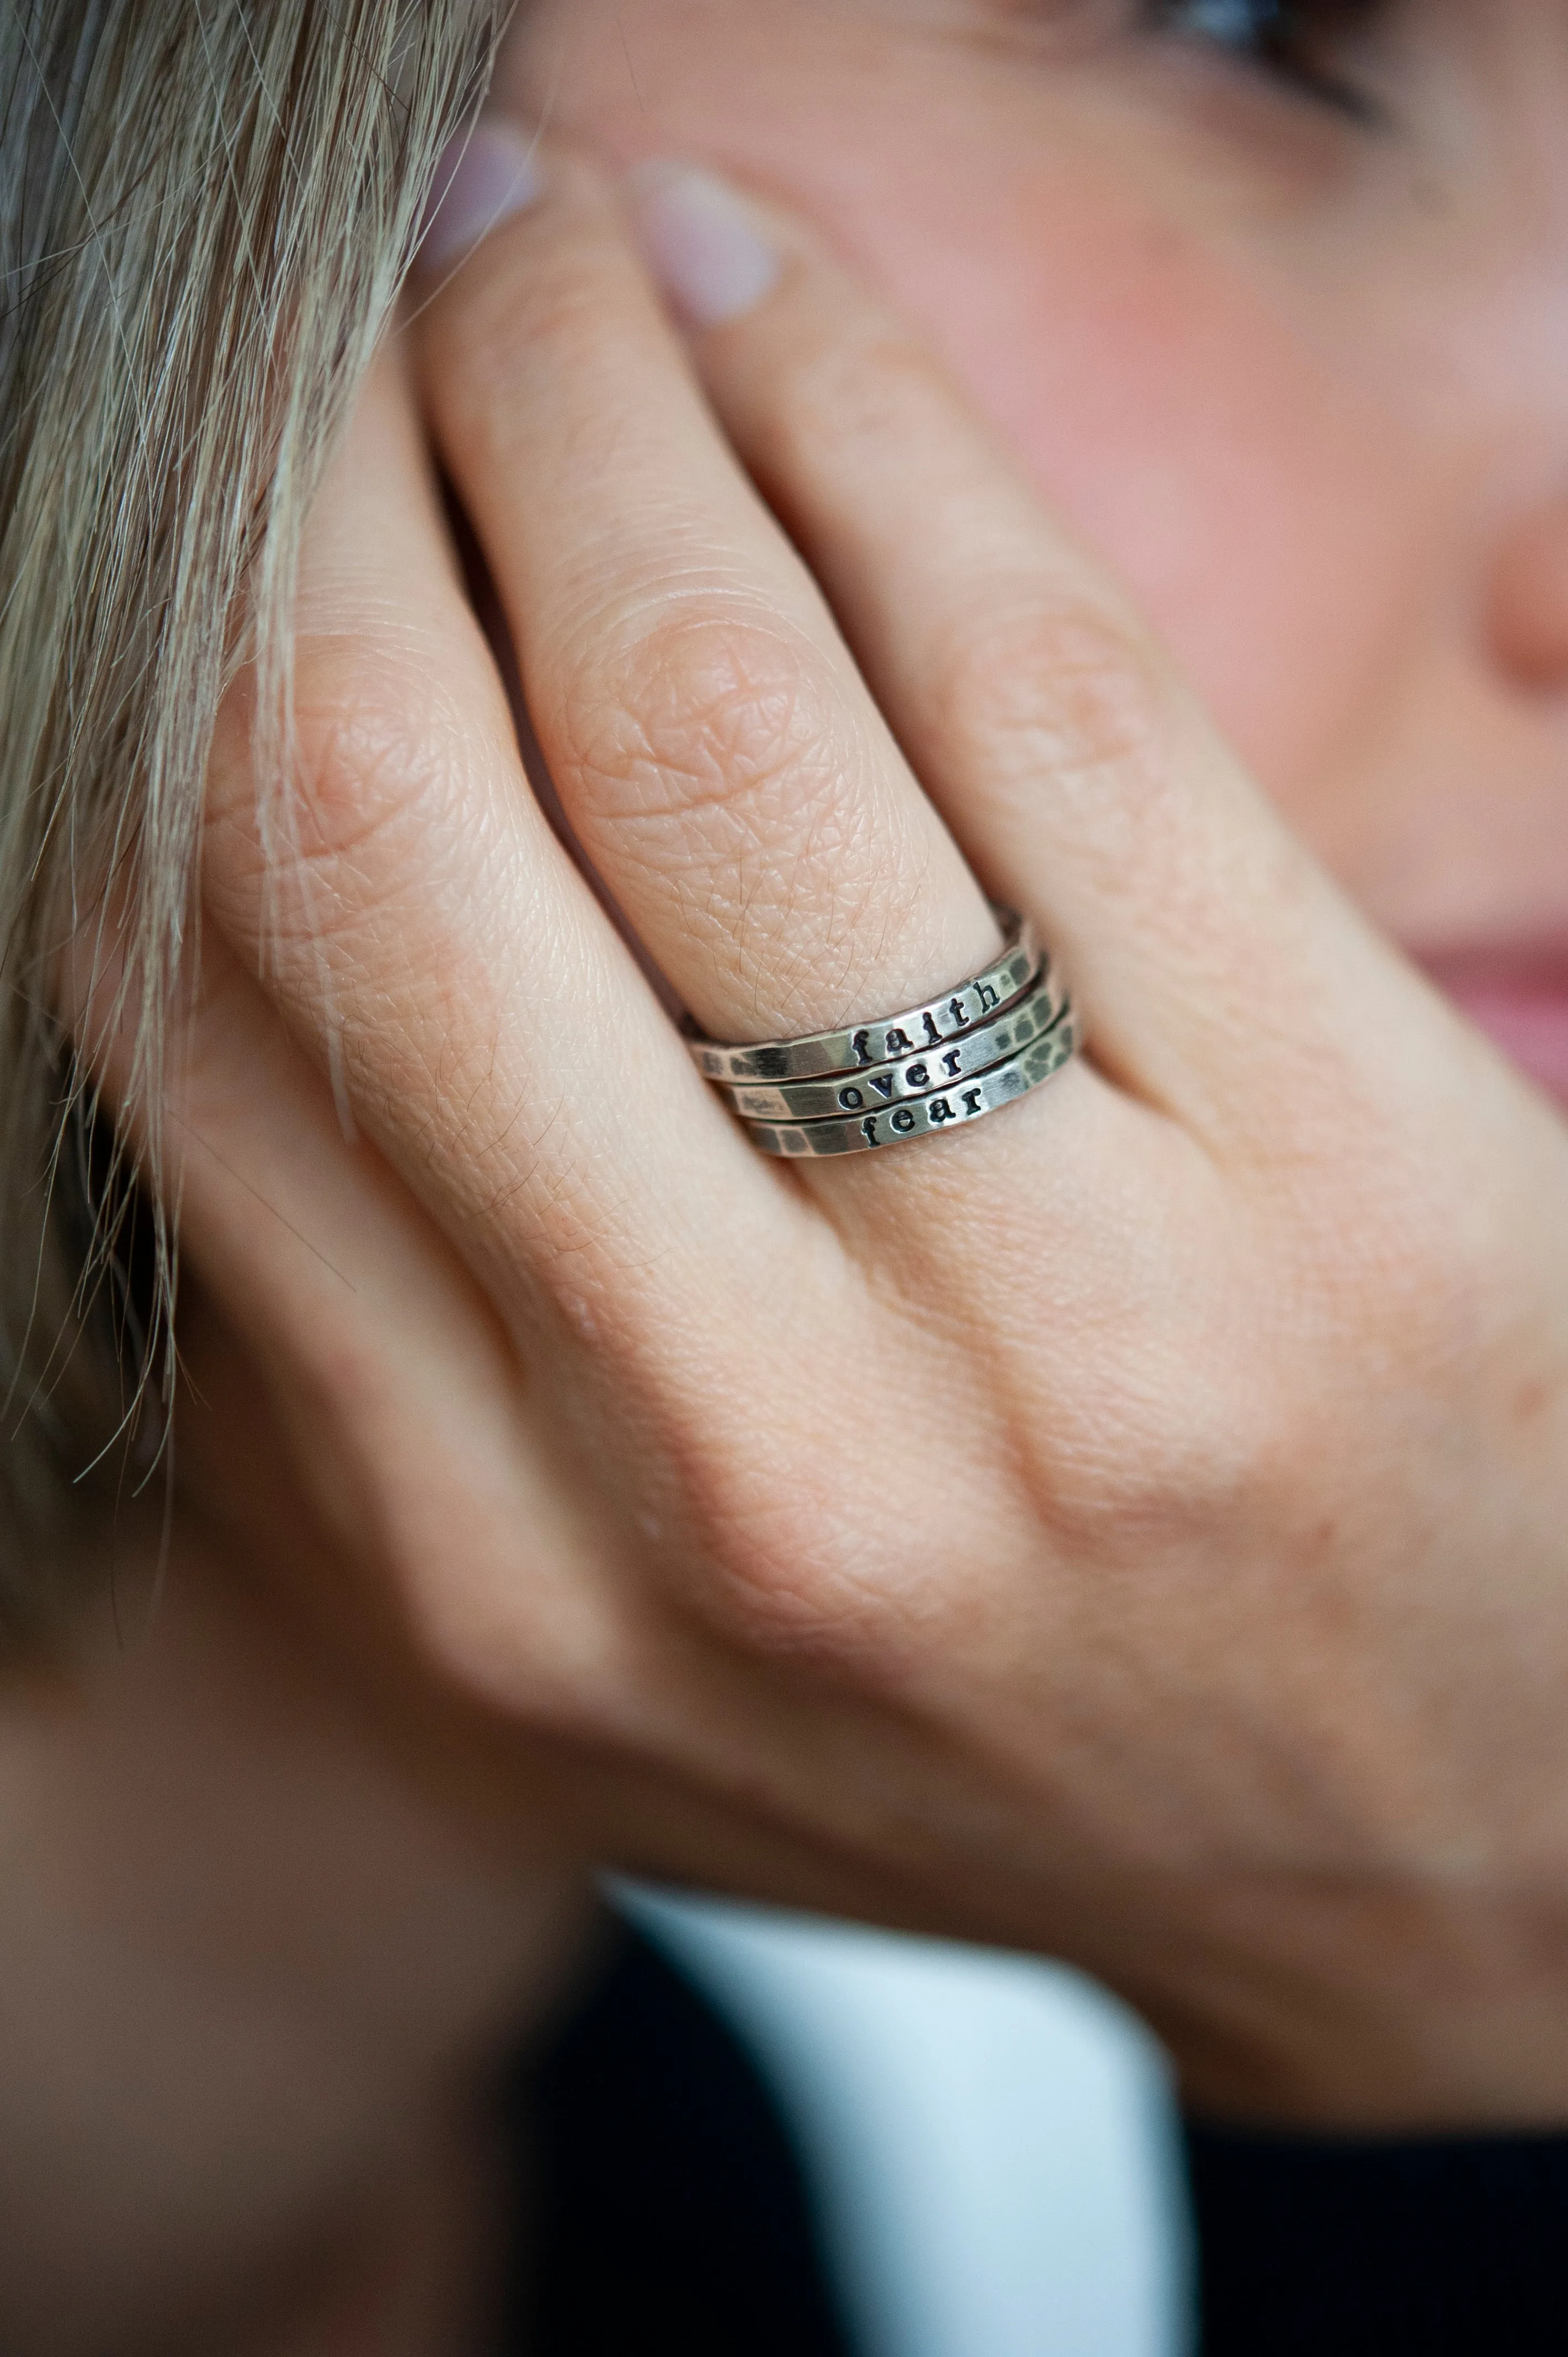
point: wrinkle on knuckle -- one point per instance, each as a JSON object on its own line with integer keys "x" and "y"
{"x": 701, "y": 717}
{"x": 1066, "y": 676}
{"x": 379, "y": 758}
{"x": 862, "y": 393}
{"x": 791, "y": 1556}
{"x": 1168, "y": 1450}
{"x": 373, "y": 738}
{"x": 782, "y": 1584}
{"x": 550, "y": 313}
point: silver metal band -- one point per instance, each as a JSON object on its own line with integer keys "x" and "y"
{"x": 892, "y": 1038}
{"x": 924, "y": 1117}
{"x": 1008, "y": 1034}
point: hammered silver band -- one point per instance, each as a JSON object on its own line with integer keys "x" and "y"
{"x": 889, "y": 1038}
{"x": 1004, "y": 1084}
{"x": 866, "y": 1091}
{"x": 934, "y": 1068}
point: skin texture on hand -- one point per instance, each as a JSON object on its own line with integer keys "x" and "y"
{"x": 1149, "y": 1548}
{"x": 1067, "y": 1535}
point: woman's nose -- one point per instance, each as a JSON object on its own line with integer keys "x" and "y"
{"x": 1528, "y": 598}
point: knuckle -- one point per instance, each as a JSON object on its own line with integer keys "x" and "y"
{"x": 870, "y": 391}
{"x": 1153, "y": 1471}
{"x": 1070, "y": 677}
{"x": 778, "y": 1584}
{"x": 1167, "y": 1432}
{"x": 371, "y": 749}
{"x": 703, "y": 717}
{"x": 1061, "y": 690}
{"x": 782, "y": 1593}
{"x": 507, "y": 321}
{"x": 794, "y": 1554}
{"x": 373, "y": 740}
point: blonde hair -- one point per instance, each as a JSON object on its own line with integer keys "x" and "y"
{"x": 207, "y": 208}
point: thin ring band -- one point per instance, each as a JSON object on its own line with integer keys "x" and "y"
{"x": 890, "y": 1037}
{"x": 926, "y": 1116}
{"x": 1008, "y": 1034}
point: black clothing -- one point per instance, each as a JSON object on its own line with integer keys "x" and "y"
{"x": 675, "y": 2214}
{"x": 672, "y": 2210}
{"x": 1338, "y": 2247}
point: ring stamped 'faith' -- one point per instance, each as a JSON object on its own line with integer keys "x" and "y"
{"x": 891, "y": 1036}
{"x": 1008, "y": 1034}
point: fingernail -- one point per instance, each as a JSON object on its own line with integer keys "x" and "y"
{"x": 702, "y": 242}
{"x": 485, "y": 177}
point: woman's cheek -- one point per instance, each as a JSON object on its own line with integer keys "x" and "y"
{"x": 1264, "y": 515}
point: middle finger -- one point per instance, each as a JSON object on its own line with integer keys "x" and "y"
{"x": 722, "y": 764}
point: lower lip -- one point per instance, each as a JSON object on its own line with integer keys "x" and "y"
{"x": 1525, "y": 1016}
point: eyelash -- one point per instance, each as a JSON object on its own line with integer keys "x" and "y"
{"x": 1280, "y": 38}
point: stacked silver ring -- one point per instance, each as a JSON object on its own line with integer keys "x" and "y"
{"x": 975, "y": 1048}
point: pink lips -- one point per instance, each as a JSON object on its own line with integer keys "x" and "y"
{"x": 1520, "y": 1002}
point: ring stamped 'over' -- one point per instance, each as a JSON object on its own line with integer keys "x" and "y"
{"x": 925, "y": 1116}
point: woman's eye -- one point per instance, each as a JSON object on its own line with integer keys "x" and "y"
{"x": 1297, "y": 41}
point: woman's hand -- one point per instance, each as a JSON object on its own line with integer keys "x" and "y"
{"x": 1135, "y": 1526}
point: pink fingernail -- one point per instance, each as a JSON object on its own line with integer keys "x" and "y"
{"x": 702, "y": 242}
{"x": 485, "y": 177}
